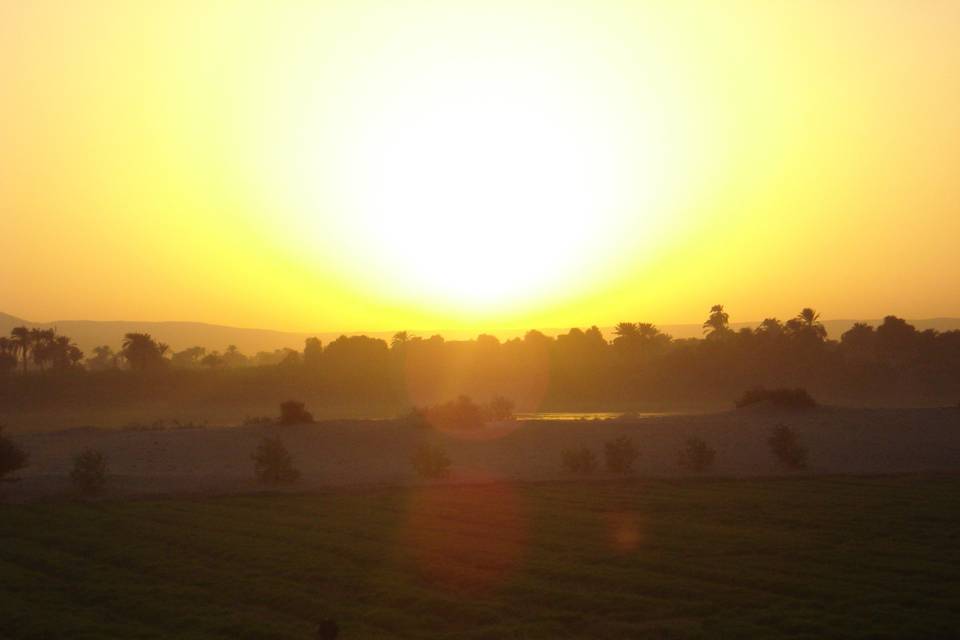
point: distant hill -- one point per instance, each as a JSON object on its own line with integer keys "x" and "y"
{"x": 180, "y": 335}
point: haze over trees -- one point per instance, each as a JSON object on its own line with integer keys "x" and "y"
{"x": 581, "y": 369}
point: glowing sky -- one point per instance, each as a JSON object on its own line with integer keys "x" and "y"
{"x": 385, "y": 165}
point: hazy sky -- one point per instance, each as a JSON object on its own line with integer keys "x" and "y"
{"x": 388, "y": 165}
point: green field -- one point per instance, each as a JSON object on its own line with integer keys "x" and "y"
{"x": 790, "y": 558}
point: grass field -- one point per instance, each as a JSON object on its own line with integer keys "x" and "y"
{"x": 790, "y": 558}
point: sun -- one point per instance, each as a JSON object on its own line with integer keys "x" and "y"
{"x": 458, "y": 171}
{"x": 481, "y": 188}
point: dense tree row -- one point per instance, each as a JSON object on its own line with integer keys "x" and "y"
{"x": 580, "y": 369}
{"x": 39, "y": 348}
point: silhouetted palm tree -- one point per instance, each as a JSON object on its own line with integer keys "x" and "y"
{"x": 626, "y": 330}
{"x": 399, "y": 339}
{"x": 808, "y": 321}
{"x": 141, "y": 351}
{"x": 809, "y": 317}
{"x": 718, "y": 321}
{"x": 65, "y": 354}
{"x": 647, "y": 330}
{"x": 8, "y": 355}
{"x": 770, "y": 327}
{"x": 43, "y": 346}
{"x": 23, "y": 340}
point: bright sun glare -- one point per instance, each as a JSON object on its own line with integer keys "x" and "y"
{"x": 481, "y": 189}
{"x": 477, "y": 174}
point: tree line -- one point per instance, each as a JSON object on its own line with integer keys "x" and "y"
{"x": 577, "y": 370}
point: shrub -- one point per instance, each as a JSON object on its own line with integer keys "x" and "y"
{"x": 89, "y": 472}
{"x": 189, "y": 424}
{"x": 621, "y": 454}
{"x": 500, "y": 408}
{"x": 430, "y": 461}
{"x": 786, "y": 448}
{"x": 462, "y": 413}
{"x": 581, "y": 461}
{"x": 273, "y": 463}
{"x": 293, "y": 412}
{"x": 696, "y": 456}
{"x": 416, "y": 418}
{"x": 12, "y": 457}
{"x": 781, "y": 398}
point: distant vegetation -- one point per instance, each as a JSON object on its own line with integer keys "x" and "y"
{"x": 273, "y": 464}
{"x": 461, "y": 414}
{"x": 620, "y": 455}
{"x": 786, "y": 448}
{"x": 580, "y": 461}
{"x": 293, "y": 412}
{"x": 89, "y": 472}
{"x": 578, "y": 370}
{"x": 12, "y": 457}
{"x": 696, "y": 456}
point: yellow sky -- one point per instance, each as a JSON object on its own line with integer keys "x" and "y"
{"x": 386, "y": 165}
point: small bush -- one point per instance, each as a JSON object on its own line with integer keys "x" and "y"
{"x": 786, "y": 447}
{"x": 416, "y": 418}
{"x": 89, "y": 472}
{"x": 581, "y": 461}
{"x": 188, "y": 424}
{"x": 621, "y": 454}
{"x": 460, "y": 414}
{"x": 696, "y": 456}
{"x": 499, "y": 409}
{"x": 273, "y": 464}
{"x": 430, "y": 461}
{"x": 12, "y": 457}
{"x": 293, "y": 412}
{"x": 781, "y": 398}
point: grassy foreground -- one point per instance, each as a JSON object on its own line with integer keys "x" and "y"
{"x": 790, "y": 558}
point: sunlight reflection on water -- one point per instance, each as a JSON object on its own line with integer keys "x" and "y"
{"x": 594, "y": 415}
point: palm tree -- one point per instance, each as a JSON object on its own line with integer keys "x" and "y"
{"x": 626, "y": 330}
{"x": 141, "y": 351}
{"x": 8, "y": 355}
{"x": 808, "y": 317}
{"x": 717, "y": 323}
{"x": 23, "y": 341}
{"x": 647, "y": 330}
{"x": 63, "y": 354}
{"x": 809, "y": 320}
{"x": 43, "y": 345}
{"x": 770, "y": 327}
{"x": 627, "y": 337}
